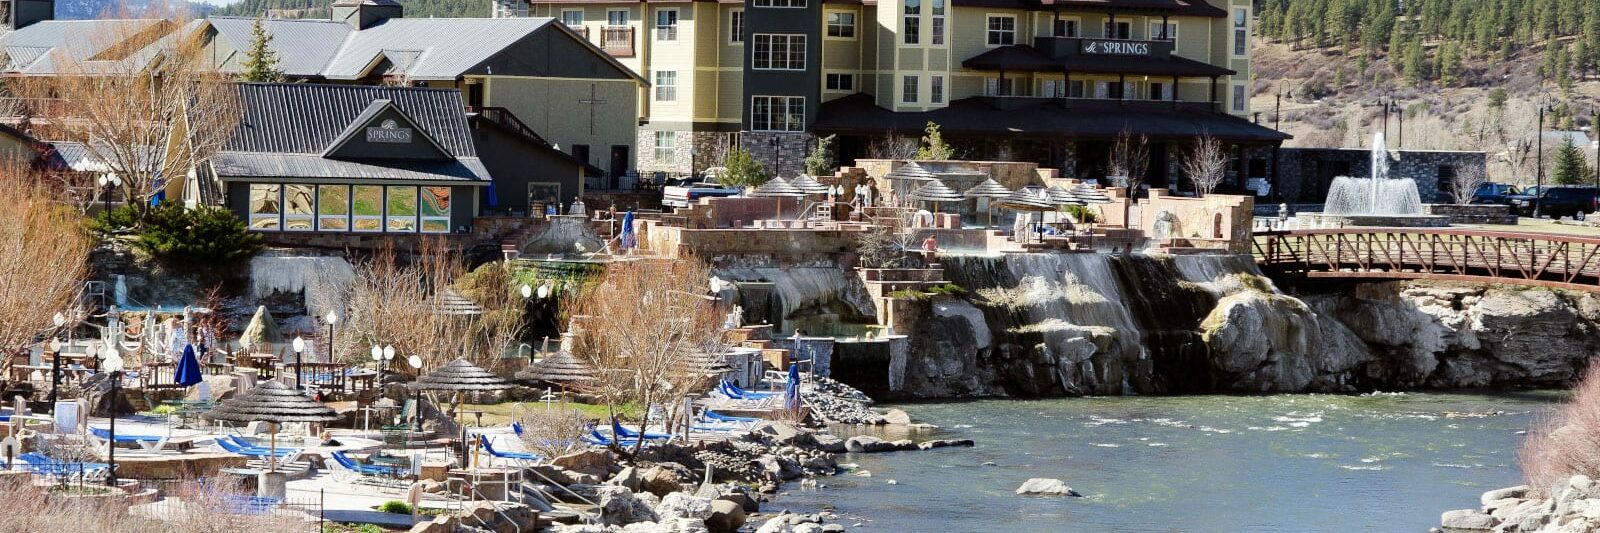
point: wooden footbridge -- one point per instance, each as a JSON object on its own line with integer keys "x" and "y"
{"x": 1541, "y": 259}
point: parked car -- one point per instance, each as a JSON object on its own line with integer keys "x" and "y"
{"x": 1494, "y": 193}
{"x": 684, "y": 195}
{"x": 1556, "y": 201}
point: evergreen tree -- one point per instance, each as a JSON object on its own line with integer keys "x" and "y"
{"x": 1570, "y": 168}
{"x": 933, "y": 146}
{"x": 1416, "y": 70}
{"x": 742, "y": 169}
{"x": 260, "y": 61}
{"x": 1450, "y": 64}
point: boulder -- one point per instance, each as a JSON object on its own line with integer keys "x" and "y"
{"x": 1467, "y": 520}
{"x": 595, "y": 462}
{"x": 1046, "y": 487}
{"x": 629, "y": 477}
{"x": 683, "y": 505}
{"x": 661, "y": 480}
{"x": 829, "y": 443}
{"x": 618, "y": 506}
{"x": 1519, "y": 491}
{"x": 749, "y": 503}
{"x": 867, "y": 444}
{"x": 833, "y": 528}
{"x": 781, "y": 434}
{"x": 556, "y": 474}
{"x": 896, "y": 416}
{"x": 945, "y": 443}
{"x": 439, "y": 524}
{"x": 726, "y": 516}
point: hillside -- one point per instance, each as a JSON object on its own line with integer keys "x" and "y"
{"x": 1469, "y": 74}
{"x": 319, "y": 8}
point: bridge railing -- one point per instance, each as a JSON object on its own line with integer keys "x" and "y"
{"x": 1522, "y": 257}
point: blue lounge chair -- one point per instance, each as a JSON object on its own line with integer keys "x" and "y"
{"x": 516, "y": 427}
{"x": 596, "y": 438}
{"x": 515, "y": 456}
{"x": 625, "y": 433}
{"x": 287, "y": 455}
{"x": 733, "y": 391}
{"x": 250, "y": 505}
{"x": 345, "y": 462}
{"x": 149, "y": 443}
{"x": 39, "y": 463}
{"x": 718, "y": 417}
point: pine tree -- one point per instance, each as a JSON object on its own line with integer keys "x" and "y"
{"x": 933, "y": 146}
{"x": 1416, "y": 70}
{"x": 742, "y": 169}
{"x": 1450, "y": 64}
{"x": 1570, "y": 168}
{"x": 260, "y": 61}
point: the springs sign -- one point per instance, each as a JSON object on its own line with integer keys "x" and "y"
{"x": 1116, "y": 48}
{"x": 389, "y": 132}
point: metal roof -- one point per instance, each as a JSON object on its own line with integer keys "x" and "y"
{"x": 285, "y": 129}
{"x": 443, "y": 49}
{"x": 47, "y": 47}
{"x": 304, "y": 46}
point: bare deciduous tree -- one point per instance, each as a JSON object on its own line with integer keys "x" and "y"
{"x": 642, "y": 325}
{"x": 146, "y": 103}
{"x": 892, "y": 147}
{"x": 1465, "y": 183}
{"x": 1206, "y": 164}
{"x": 1130, "y": 158}
{"x": 43, "y": 253}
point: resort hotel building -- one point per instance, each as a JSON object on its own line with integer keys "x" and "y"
{"x": 1048, "y": 81}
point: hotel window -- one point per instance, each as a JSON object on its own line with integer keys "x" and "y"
{"x": 842, "y": 25}
{"x": 1157, "y": 35}
{"x": 666, "y": 24}
{"x": 266, "y": 204}
{"x": 401, "y": 215}
{"x": 299, "y": 207}
{"x": 666, "y": 85}
{"x": 841, "y": 82}
{"x": 573, "y": 18}
{"x": 938, "y": 22}
{"x": 736, "y": 26}
{"x": 912, "y": 22}
{"x": 1075, "y": 89}
{"x": 1110, "y": 90}
{"x": 1238, "y": 98}
{"x": 998, "y": 87}
{"x": 435, "y": 206}
{"x": 936, "y": 89}
{"x": 1241, "y": 33}
{"x": 777, "y": 113}
{"x": 366, "y": 207}
{"x": 1121, "y": 30}
{"x": 1158, "y": 91}
{"x": 616, "y": 17}
{"x": 908, "y": 89}
{"x": 779, "y": 52}
{"x": 1002, "y": 31}
{"x": 333, "y": 207}
{"x": 1051, "y": 89}
{"x": 666, "y": 147}
{"x": 1066, "y": 28}
{"x": 780, "y": 3}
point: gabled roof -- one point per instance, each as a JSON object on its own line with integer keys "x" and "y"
{"x": 286, "y": 130}
{"x": 50, "y": 47}
{"x": 304, "y": 46}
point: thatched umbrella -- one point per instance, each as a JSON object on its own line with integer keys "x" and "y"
{"x": 460, "y": 375}
{"x": 990, "y": 189}
{"x": 560, "y": 367}
{"x": 262, "y": 330}
{"x": 274, "y": 403}
{"x": 1031, "y": 199}
{"x": 908, "y": 177}
{"x": 935, "y": 191}
{"x": 1063, "y": 197}
{"x": 808, "y": 185}
{"x": 1090, "y": 194}
{"x": 780, "y": 189}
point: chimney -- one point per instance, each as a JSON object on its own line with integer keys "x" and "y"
{"x": 363, "y": 14}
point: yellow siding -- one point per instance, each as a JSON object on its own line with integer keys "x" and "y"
{"x": 551, "y": 108}
{"x": 674, "y": 56}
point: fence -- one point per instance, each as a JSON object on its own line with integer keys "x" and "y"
{"x": 200, "y": 501}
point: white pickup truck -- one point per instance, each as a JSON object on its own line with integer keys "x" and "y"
{"x": 683, "y": 196}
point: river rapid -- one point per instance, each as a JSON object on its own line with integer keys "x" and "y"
{"x": 1304, "y": 463}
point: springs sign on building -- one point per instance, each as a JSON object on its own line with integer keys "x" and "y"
{"x": 1117, "y": 48}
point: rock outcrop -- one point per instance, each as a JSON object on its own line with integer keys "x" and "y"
{"x": 1573, "y": 506}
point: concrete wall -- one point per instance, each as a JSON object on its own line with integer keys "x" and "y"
{"x": 1306, "y": 172}
{"x": 1217, "y": 221}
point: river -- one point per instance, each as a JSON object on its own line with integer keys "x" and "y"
{"x": 1304, "y": 463}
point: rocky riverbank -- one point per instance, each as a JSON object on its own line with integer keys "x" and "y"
{"x": 1573, "y": 507}
{"x": 1065, "y": 325}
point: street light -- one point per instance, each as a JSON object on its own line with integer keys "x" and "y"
{"x": 416, "y": 409}
{"x": 527, "y": 292}
{"x": 299, "y": 345}
{"x": 113, "y": 364}
{"x": 1538, "y": 200}
{"x": 55, "y": 370}
{"x": 109, "y": 181}
{"x": 382, "y": 356}
{"x": 331, "y": 319}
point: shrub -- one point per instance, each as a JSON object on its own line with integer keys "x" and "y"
{"x": 742, "y": 169}
{"x": 1567, "y": 442}
{"x": 933, "y": 146}
{"x": 116, "y": 221}
{"x": 394, "y": 506}
{"x": 208, "y": 235}
{"x": 1082, "y": 213}
{"x": 820, "y": 161}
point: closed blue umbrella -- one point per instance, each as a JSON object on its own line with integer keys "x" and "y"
{"x": 491, "y": 197}
{"x": 188, "y": 372}
{"x": 791, "y": 389}
{"x": 629, "y": 240}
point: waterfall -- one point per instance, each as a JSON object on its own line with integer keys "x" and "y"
{"x": 323, "y": 279}
{"x": 119, "y": 292}
{"x": 819, "y": 300}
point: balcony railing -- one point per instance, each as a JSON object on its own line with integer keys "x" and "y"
{"x": 1005, "y": 103}
{"x": 582, "y": 31}
{"x": 617, "y": 40}
{"x": 1086, "y": 46}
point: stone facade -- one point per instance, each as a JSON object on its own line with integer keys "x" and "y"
{"x": 1473, "y": 213}
{"x": 692, "y": 152}
{"x": 1307, "y": 172}
{"x": 783, "y": 153}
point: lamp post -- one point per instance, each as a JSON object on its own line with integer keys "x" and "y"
{"x": 113, "y": 364}
{"x": 55, "y": 370}
{"x": 109, "y": 181}
{"x": 1277, "y": 109}
{"x": 331, "y": 319}
{"x": 416, "y": 412}
{"x": 1538, "y": 201}
{"x": 299, "y": 345}
{"x": 1400, "y": 115}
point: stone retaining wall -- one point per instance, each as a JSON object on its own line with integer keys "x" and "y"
{"x": 1473, "y": 213}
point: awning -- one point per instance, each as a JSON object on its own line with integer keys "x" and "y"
{"x": 1045, "y": 118}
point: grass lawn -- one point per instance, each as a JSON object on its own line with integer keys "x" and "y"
{"x": 502, "y": 414}
{"x": 1539, "y": 225}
